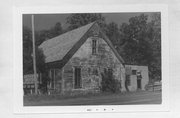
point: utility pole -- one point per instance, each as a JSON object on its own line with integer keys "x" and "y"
{"x": 34, "y": 56}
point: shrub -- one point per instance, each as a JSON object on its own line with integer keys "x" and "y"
{"x": 109, "y": 83}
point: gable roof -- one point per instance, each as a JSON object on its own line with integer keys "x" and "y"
{"x": 56, "y": 48}
{"x": 62, "y": 48}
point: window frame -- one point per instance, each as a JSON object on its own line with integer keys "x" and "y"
{"x": 74, "y": 78}
{"x": 94, "y": 46}
{"x": 134, "y": 72}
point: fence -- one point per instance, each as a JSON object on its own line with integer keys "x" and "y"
{"x": 154, "y": 87}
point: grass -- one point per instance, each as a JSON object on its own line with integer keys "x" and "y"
{"x": 61, "y": 97}
{"x": 94, "y": 98}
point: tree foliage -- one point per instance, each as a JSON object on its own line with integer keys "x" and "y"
{"x": 40, "y": 36}
{"x": 155, "y": 29}
{"x": 27, "y": 51}
{"x": 113, "y": 33}
{"x": 77, "y": 20}
{"x": 138, "y": 41}
{"x": 27, "y": 54}
{"x": 109, "y": 83}
{"x": 142, "y": 43}
{"x": 48, "y": 34}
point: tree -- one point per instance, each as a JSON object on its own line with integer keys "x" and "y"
{"x": 109, "y": 83}
{"x": 56, "y": 30}
{"x": 137, "y": 49}
{"x": 27, "y": 51}
{"x": 28, "y": 61}
{"x": 40, "y": 36}
{"x": 40, "y": 61}
{"x": 155, "y": 29}
{"x": 112, "y": 31}
{"x": 142, "y": 43}
{"x": 77, "y": 20}
{"x": 43, "y": 35}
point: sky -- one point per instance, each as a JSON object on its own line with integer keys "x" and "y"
{"x": 46, "y": 21}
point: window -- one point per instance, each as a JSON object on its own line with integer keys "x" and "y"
{"x": 77, "y": 77}
{"x": 133, "y": 72}
{"x": 54, "y": 75}
{"x": 94, "y": 46}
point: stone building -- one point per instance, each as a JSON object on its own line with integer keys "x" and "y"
{"x": 137, "y": 77}
{"x": 77, "y": 58}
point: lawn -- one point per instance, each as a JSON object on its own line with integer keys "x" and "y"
{"x": 141, "y": 97}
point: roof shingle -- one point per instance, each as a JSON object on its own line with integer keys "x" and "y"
{"x": 56, "y": 48}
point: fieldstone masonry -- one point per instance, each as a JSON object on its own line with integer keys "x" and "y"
{"x": 92, "y": 65}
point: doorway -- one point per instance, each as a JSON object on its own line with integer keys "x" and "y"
{"x": 138, "y": 83}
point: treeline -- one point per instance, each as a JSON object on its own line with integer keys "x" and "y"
{"x": 138, "y": 41}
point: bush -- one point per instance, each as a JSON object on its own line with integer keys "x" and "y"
{"x": 108, "y": 83}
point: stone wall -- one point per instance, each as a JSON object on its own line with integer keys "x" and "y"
{"x": 92, "y": 65}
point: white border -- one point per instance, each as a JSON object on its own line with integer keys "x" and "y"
{"x": 18, "y": 83}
